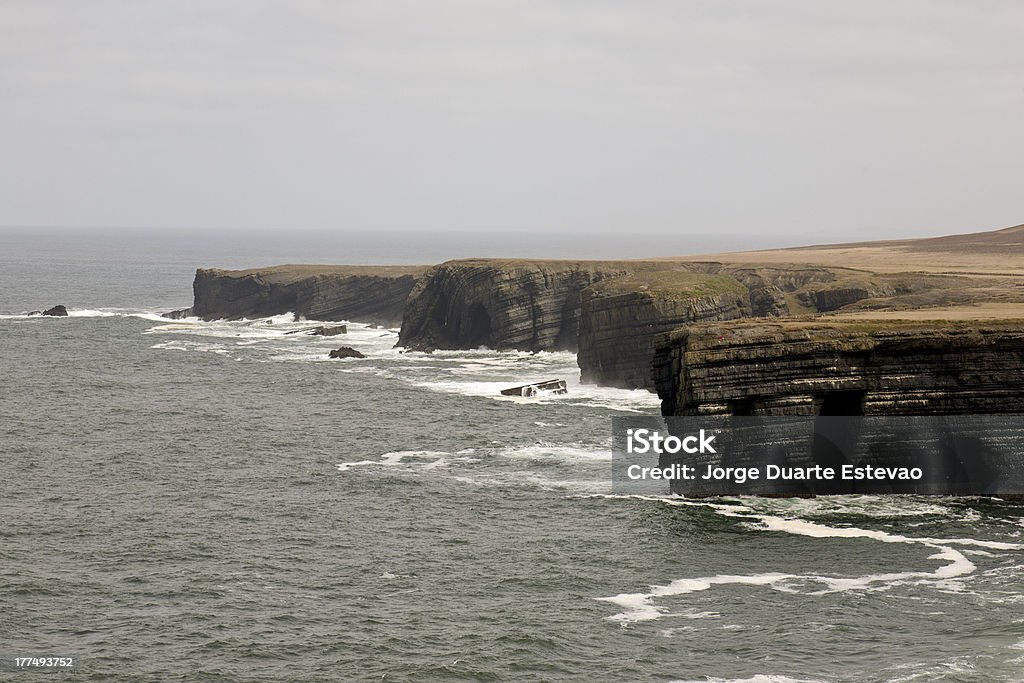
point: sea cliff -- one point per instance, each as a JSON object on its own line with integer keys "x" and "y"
{"x": 500, "y": 304}
{"x": 374, "y": 294}
{"x": 834, "y": 367}
{"x": 620, "y": 317}
{"x": 618, "y": 314}
{"x": 608, "y": 311}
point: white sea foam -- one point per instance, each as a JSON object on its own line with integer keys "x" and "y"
{"x": 584, "y": 395}
{"x": 426, "y": 460}
{"x": 185, "y": 345}
{"x": 476, "y": 373}
{"x": 860, "y": 506}
{"x": 572, "y": 454}
{"x": 90, "y": 313}
{"x": 169, "y": 346}
{"x": 283, "y": 338}
{"x": 640, "y": 606}
{"x": 757, "y": 678}
{"x": 489, "y": 478}
{"x": 927, "y": 673}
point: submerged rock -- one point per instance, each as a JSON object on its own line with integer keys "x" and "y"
{"x": 346, "y": 352}
{"x": 58, "y": 310}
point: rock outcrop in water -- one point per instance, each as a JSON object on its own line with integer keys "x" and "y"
{"x": 58, "y": 311}
{"x": 550, "y": 386}
{"x": 374, "y": 294}
{"x": 179, "y": 314}
{"x": 864, "y": 367}
{"x": 346, "y": 352}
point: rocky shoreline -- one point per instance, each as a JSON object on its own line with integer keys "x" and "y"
{"x": 633, "y": 323}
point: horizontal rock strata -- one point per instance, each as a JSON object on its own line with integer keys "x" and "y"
{"x": 619, "y": 319}
{"x": 521, "y": 305}
{"x": 859, "y": 367}
{"x": 609, "y": 311}
{"x": 373, "y": 294}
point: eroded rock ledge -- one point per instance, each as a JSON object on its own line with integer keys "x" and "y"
{"x": 862, "y": 367}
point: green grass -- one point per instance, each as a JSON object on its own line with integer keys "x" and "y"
{"x": 672, "y": 284}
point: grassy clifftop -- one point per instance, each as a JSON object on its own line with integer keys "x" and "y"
{"x": 676, "y": 285}
{"x": 291, "y": 272}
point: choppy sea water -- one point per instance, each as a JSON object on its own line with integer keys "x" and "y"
{"x": 219, "y": 501}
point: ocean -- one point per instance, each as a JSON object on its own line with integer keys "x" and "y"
{"x": 218, "y": 501}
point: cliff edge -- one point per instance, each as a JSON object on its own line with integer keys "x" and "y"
{"x": 374, "y": 294}
{"x": 841, "y": 367}
{"x": 503, "y": 304}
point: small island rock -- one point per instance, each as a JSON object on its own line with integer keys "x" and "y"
{"x": 346, "y": 352}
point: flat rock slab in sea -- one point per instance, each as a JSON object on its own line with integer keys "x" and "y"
{"x": 551, "y": 386}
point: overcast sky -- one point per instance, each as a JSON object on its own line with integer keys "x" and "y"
{"x": 833, "y": 120}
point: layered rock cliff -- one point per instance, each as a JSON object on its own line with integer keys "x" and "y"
{"x": 522, "y": 305}
{"x": 863, "y": 367}
{"x": 608, "y": 310}
{"x": 373, "y": 294}
{"x": 620, "y": 317}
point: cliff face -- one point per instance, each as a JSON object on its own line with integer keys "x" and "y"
{"x": 620, "y": 318}
{"x": 609, "y": 311}
{"x": 523, "y": 305}
{"x": 768, "y": 286}
{"x": 362, "y": 293}
{"x": 841, "y": 368}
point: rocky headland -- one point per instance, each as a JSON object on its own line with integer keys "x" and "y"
{"x": 912, "y": 328}
{"x": 374, "y": 294}
{"x": 626, "y": 319}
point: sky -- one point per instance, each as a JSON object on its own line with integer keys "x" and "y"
{"x": 830, "y": 121}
